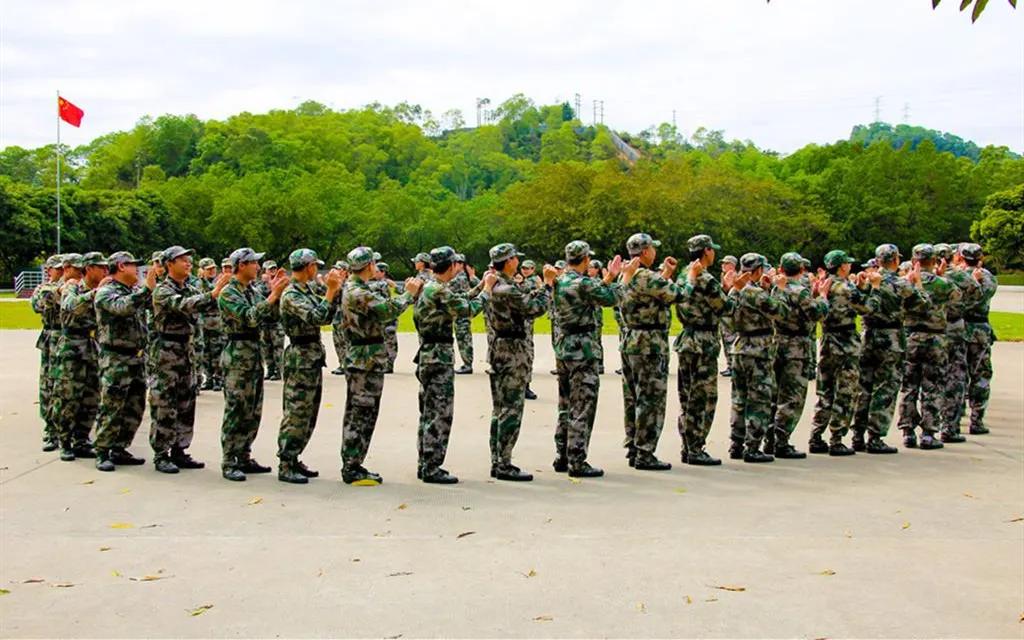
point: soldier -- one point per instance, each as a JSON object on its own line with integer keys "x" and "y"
{"x": 979, "y": 337}
{"x": 596, "y": 270}
{"x": 510, "y": 356}
{"x": 646, "y": 316}
{"x": 226, "y": 267}
{"x": 555, "y": 330}
{"x": 76, "y": 388}
{"x": 421, "y": 264}
{"x": 366, "y": 312}
{"x": 576, "y": 296}
{"x": 700, "y": 310}
{"x": 756, "y": 305}
{"x": 794, "y": 360}
{"x": 171, "y": 375}
{"x": 156, "y": 264}
{"x": 243, "y": 311}
{"x": 882, "y": 357}
{"x": 463, "y": 282}
{"x": 337, "y": 327}
{"x": 530, "y": 281}
{"x": 384, "y": 285}
{"x": 836, "y": 385}
{"x": 725, "y": 324}
{"x": 955, "y": 378}
{"x": 437, "y": 306}
{"x": 303, "y": 312}
{"x": 121, "y": 365}
{"x": 46, "y": 302}
{"x": 213, "y": 333}
{"x": 271, "y": 333}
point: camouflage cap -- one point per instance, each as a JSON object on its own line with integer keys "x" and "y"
{"x": 122, "y": 257}
{"x": 73, "y": 260}
{"x": 597, "y": 264}
{"x": 439, "y": 255}
{"x": 528, "y": 264}
{"x": 54, "y": 262}
{"x": 422, "y": 256}
{"x": 301, "y": 257}
{"x": 640, "y": 241}
{"x": 753, "y": 261}
{"x": 341, "y": 264}
{"x": 383, "y": 266}
{"x": 226, "y": 262}
{"x": 944, "y": 250}
{"x": 870, "y": 264}
{"x": 560, "y": 264}
{"x": 504, "y": 251}
{"x": 460, "y": 257}
{"x": 793, "y": 260}
{"x": 577, "y": 249}
{"x": 702, "y": 241}
{"x": 245, "y": 254}
{"x": 906, "y": 265}
{"x": 94, "y": 259}
{"x": 206, "y": 263}
{"x": 267, "y": 264}
{"x": 837, "y": 257}
{"x": 156, "y": 256}
{"x": 971, "y": 251}
{"x": 377, "y": 257}
{"x": 172, "y": 253}
{"x": 923, "y": 251}
{"x": 359, "y": 257}
{"x": 730, "y": 260}
{"x": 887, "y": 252}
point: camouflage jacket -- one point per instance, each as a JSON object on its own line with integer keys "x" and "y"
{"x": 646, "y": 313}
{"x": 462, "y": 283}
{"x": 932, "y": 318}
{"x": 46, "y": 302}
{"x": 576, "y": 298}
{"x": 886, "y": 305}
{"x": 969, "y": 290}
{"x": 366, "y": 311}
{"x": 754, "y": 311}
{"x": 383, "y": 288}
{"x": 426, "y": 275}
{"x": 303, "y": 312}
{"x": 263, "y": 289}
{"x": 437, "y": 306}
{"x": 117, "y": 318}
{"x": 700, "y": 311}
{"x": 176, "y": 306}
{"x": 795, "y": 330}
{"x": 76, "y": 310}
{"x": 507, "y": 313}
{"x": 978, "y": 328}
{"x": 839, "y": 326}
{"x": 243, "y": 309}
{"x": 209, "y": 320}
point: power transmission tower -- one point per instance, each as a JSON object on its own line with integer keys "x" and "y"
{"x": 906, "y": 113}
{"x": 601, "y": 109}
{"x": 593, "y": 118}
{"x": 577, "y": 101}
{"x": 673, "y": 119}
{"x": 878, "y": 108}
{"x": 480, "y": 104}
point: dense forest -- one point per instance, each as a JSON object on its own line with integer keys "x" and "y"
{"x": 402, "y": 180}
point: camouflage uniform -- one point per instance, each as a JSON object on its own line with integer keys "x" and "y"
{"x": 213, "y": 337}
{"x": 462, "y": 284}
{"x": 882, "y": 357}
{"x": 795, "y": 341}
{"x": 979, "y": 337}
{"x": 271, "y": 333}
{"x": 837, "y": 363}
{"x": 46, "y": 302}
{"x": 510, "y": 357}
{"x": 437, "y": 306}
{"x": 955, "y": 378}
{"x": 382, "y": 287}
{"x": 576, "y": 297}
{"x": 121, "y": 340}
{"x": 646, "y": 316}
{"x": 243, "y": 311}
{"x": 366, "y": 312}
{"x": 171, "y": 375}
{"x": 599, "y": 326}
{"x": 701, "y": 309}
{"x": 303, "y": 312}
{"x": 753, "y": 353}
{"x": 725, "y": 324}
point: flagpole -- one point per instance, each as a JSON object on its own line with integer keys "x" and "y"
{"x": 58, "y": 170}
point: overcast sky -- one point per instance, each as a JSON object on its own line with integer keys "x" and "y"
{"x": 782, "y": 74}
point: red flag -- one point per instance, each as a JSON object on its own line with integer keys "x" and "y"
{"x": 69, "y": 113}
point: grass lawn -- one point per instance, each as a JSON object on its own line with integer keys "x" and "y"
{"x": 19, "y": 315}
{"x": 1014, "y": 278}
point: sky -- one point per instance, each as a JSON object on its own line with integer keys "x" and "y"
{"x": 782, "y": 74}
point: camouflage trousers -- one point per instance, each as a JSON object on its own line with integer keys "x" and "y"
{"x": 340, "y": 343}
{"x": 979, "y": 375}
{"x": 243, "y": 410}
{"x": 272, "y": 347}
{"x": 956, "y": 384}
{"x": 728, "y": 337}
{"x": 578, "y": 386}
{"x": 303, "y": 389}
{"x": 697, "y": 386}
{"x": 362, "y": 405}
{"x": 508, "y": 394}
{"x": 76, "y": 390}
{"x": 464, "y": 339}
{"x": 644, "y": 389}
{"x": 598, "y": 346}
{"x": 881, "y": 372}
{"x": 792, "y": 377}
{"x": 753, "y": 386}
{"x": 172, "y": 395}
{"x": 47, "y": 344}
{"x": 122, "y": 399}
{"x": 437, "y": 402}
{"x": 391, "y": 343}
{"x": 837, "y": 392}
{"x": 213, "y": 346}
{"x": 923, "y": 390}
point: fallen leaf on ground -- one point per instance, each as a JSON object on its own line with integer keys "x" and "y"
{"x": 320, "y": 573}
{"x": 115, "y": 573}
{"x": 149, "y": 578}
{"x": 399, "y": 573}
{"x": 403, "y": 506}
{"x": 382, "y": 534}
{"x": 711, "y": 600}
{"x": 393, "y": 637}
{"x": 1020, "y": 519}
{"x": 466, "y": 508}
{"x": 575, "y": 480}
{"x": 967, "y": 495}
{"x": 4, "y": 592}
{"x": 122, "y": 525}
{"x": 88, "y": 482}
{"x": 689, "y": 600}
{"x": 827, "y": 572}
{"x": 150, "y": 526}
{"x": 256, "y": 500}
{"x": 848, "y": 534}
{"x": 727, "y": 587}
{"x": 125, "y": 492}
{"x": 529, "y": 574}
{"x": 355, "y": 560}
{"x": 641, "y": 607}
{"x": 200, "y": 610}
{"x": 63, "y": 585}
{"x": 105, "y": 548}
{"x": 544, "y": 619}
{"x": 464, "y": 534}
{"x": 33, "y": 581}
{"x": 680, "y": 489}
{"x": 906, "y": 525}
{"x": 329, "y": 405}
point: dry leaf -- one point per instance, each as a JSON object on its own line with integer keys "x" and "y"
{"x": 680, "y": 489}
{"x": 466, "y": 508}
{"x": 403, "y": 506}
{"x": 33, "y": 581}
{"x": 575, "y": 480}
{"x": 641, "y": 607}
{"x": 4, "y": 592}
{"x": 256, "y": 500}
{"x": 150, "y": 526}
{"x": 906, "y": 525}
{"x": 848, "y": 534}
{"x": 355, "y": 560}
{"x": 529, "y": 574}
{"x": 150, "y": 578}
{"x": 827, "y": 572}
{"x": 329, "y": 405}
{"x": 1020, "y": 519}
{"x": 105, "y": 548}
{"x": 115, "y": 573}
{"x": 544, "y": 619}
{"x": 727, "y": 587}
{"x": 88, "y": 482}
{"x": 711, "y": 600}
{"x": 63, "y": 585}
{"x": 200, "y": 610}
{"x": 967, "y": 495}
{"x": 125, "y": 492}
{"x": 399, "y": 573}
{"x": 689, "y": 600}
{"x": 122, "y": 525}
{"x": 464, "y": 534}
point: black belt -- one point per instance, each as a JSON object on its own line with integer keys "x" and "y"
{"x": 175, "y": 337}
{"x": 301, "y": 340}
{"x": 439, "y": 338}
{"x": 79, "y": 333}
{"x": 510, "y": 334}
{"x": 878, "y": 324}
{"x": 578, "y": 329}
{"x": 51, "y": 327}
{"x": 248, "y": 336}
{"x": 124, "y": 351}
{"x": 973, "y": 319}
{"x": 365, "y": 342}
{"x": 843, "y": 328}
{"x": 648, "y": 326}
{"x": 794, "y": 333}
{"x": 700, "y": 327}
{"x": 920, "y": 328}
{"x": 755, "y": 333}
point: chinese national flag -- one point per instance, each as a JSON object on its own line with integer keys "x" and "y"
{"x": 69, "y": 113}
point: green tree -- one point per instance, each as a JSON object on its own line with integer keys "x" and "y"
{"x": 1000, "y": 229}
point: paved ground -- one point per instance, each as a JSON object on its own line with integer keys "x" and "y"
{"x": 926, "y": 544}
{"x": 1009, "y": 298}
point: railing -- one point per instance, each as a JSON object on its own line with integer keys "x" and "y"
{"x": 26, "y": 282}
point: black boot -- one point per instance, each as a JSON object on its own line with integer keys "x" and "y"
{"x": 928, "y": 441}
{"x": 950, "y": 436}
{"x": 978, "y": 430}
{"x": 858, "y": 441}
{"x": 755, "y": 455}
{"x": 301, "y": 467}
{"x": 512, "y": 473}
{"x": 84, "y": 450}
{"x": 122, "y": 457}
{"x": 585, "y": 471}
{"x": 650, "y": 463}
{"x": 736, "y": 451}
{"x": 438, "y": 476}
{"x": 789, "y": 452}
{"x": 289, "y": 472}
{"x": 840, "y": 449}
{"x": 702, "y": 459}
{"x": 183, "y": 460}
{"x": 561, "y": 464}
{"x": 103, "y": 461}
{"x": 163, "y": 464}
{"x": 233, "y": 473}
{"x": 464, "y": 370}
{"x": 909, "y": 439}
{"x": 817, "y": 445}
{"x": 50, "y": 444}
{"x": 251, "y": 466}
{"x": 340, "y": 371}
{"x": 67, "y": 453}
{"x": 530, "y": 395}
{"x": 877, "y": 445}
{"x": 359, "y": 474}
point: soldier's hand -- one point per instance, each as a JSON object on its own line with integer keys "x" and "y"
{"x": 740, "y": 279}
{"x": 70, "y": 282}
{"x": 779, "y": 280}
{"x": 151, "y": 279}
{"x": 824, "y": 287}
{"x": 413, "y": 286}
{"x": 822, "y": 274}
{"x": 489, "y": 280}
{"x": 470, "y": 270}
{"x": 914, "y": 275}
{"x": 694, "y": 270}
{"x": 874, "y": 278}
{"x": 978, "y": 274}
{"x": 105, "y": 281}
{"x": 614, "y": 268}
{"x": 550, "y": 273}
{"x": 941, "y": 269}
{"x": 729, "y": 280}
{"x": 222, "y": 281}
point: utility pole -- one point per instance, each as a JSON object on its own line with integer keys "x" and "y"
{"x": 673, "y": 119}
{"x": 906, "y": 113}
{"x": 878, "y": 108}
{"x": 593, "y": 118}
{"x": 577, "y": 98}
{"x": 601, "y": 110}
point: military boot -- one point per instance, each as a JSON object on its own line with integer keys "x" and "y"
{"x": 647, "y": 462}
{"x": 50, "y": 444}
{"x": 952, "y": 437}
{"x": 163, "y": 464}
{"x": 909, "y": 439}
{"x": 512, "y": 473}
{"x": 837, "y": 448}
{"x": 978, "y": 430}
{"x": 585, "y": 471}
{"x": 249, "y": 465}
{"x": 438, "y": 476}
{"x": 736, "y": 451}
{"x": 289, "y": 472}
{"x": 755, "y": 456}
{"x": 928, "y": 441}
{"x": 67, "y": 453}
{"x": 84, "y": 450}
{"x": 301, "y": 467}
{"x": 103, "y": 461}
{"x": 788, "y": 452}
{"x": 877, "y": 445}
{"x": 231, "y": 470}
{"x": 858, "y": 440}
{"x": 702, "y": 459}
{"x": 817, "y": 445}
{"x": 561, "y": 464}
{"x": 122, "y": 457}
{"x": 183, "y": 460}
